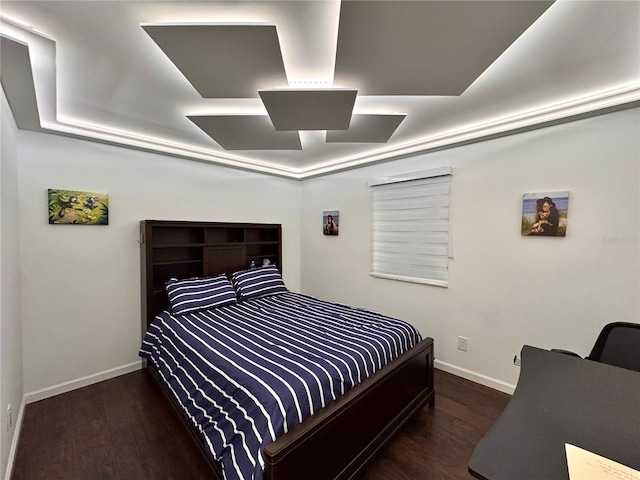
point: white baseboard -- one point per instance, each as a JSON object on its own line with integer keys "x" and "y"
{"x": 81, "y": 382}
{"x": 14, "y": 441}
{"x": 476, "y": 377}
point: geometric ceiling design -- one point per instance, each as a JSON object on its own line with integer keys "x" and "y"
{"x": 236, "y": 61}
{"x": 245, "y": 60}
{"x": 216, "y": 81}
{"x": 306, "y": 109}
{"x": 223, "y": 61}
{"x": 429, "y": 47}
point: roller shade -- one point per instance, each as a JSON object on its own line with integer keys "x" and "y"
{"x": 411, "y": 227}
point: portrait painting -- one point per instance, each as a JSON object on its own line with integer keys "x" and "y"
{"x": 73, "y": 207}
{"x": 545, "y": 214}
{"x": 330, "y": 222}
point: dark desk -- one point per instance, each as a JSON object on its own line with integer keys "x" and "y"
{"x": 561, "y": 399}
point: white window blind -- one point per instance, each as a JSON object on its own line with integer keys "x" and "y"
{"x": 411, "y": 227}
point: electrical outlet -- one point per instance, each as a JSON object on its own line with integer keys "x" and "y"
{"x": 462, "y": 343}
{"x": 9, "y": 418}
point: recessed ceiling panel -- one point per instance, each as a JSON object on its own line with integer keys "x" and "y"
{"x": 425, "y": 47}
{"x": 224, "y": 61}
{"x": 17, "y": 82}
{"x": 367, "y": 128}
{"x": 246, "y": 132}
{"x": 324, "y": 109}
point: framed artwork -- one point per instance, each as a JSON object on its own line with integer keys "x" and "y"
{"x": 330, "y": 222}
{"x": 545, "y": 214}
{"x": 73, "y": 207}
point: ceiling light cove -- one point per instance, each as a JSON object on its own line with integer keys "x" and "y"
{"x": 311, "y": 83}
{"x": 306, "y": 88}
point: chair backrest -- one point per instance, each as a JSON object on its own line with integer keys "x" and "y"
{"x": 618, "y": 344}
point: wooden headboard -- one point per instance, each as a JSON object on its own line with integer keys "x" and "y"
{"x": 178, "y": 249}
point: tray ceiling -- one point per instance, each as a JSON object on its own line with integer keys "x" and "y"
{"x": 303, "y": 88}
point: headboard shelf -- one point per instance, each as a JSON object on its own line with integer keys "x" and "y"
{"x": 175, "y": 245}
{"x": 184, "y": 249}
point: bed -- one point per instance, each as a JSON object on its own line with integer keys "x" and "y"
{"x": 343, "y": 416}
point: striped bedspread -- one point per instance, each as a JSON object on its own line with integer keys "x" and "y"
{"x": 245, "y": 374}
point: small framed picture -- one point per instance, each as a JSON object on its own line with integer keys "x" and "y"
{"x": 330, "y": 222}
{"x": 73, "y": 207}
{"x": 545, "y": 214}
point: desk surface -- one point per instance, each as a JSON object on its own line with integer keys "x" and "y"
{"x": 561, "y": 399}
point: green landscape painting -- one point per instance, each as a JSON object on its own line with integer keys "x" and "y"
{"x": 72, "y": 207}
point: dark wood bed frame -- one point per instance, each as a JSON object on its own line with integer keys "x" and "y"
{"x": 337, "y": 442}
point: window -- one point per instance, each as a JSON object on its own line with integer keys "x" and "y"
{"x": 411, "y": 227}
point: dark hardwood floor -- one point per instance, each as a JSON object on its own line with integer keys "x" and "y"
{"x": 125, "y": 429}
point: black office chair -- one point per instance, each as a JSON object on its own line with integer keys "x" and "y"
{"x": 618, "y": 344}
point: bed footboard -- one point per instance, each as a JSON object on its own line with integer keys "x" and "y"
{"x": 341, "y": 439}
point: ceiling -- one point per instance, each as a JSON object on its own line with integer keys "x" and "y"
{"x": 305, "y": 88}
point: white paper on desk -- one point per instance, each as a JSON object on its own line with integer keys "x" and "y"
{"x": 585, "y": 465}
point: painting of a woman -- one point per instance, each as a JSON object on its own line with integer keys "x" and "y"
{"x": 545, "y": 214}
{"x": 330, "y": 221}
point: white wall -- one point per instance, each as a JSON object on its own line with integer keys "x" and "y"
{"x": 11, "y": 376}
{"x": 81, "y": 284}
{"x": 505, "y": 290}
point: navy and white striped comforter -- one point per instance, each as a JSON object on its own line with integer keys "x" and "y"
{"x": 245, "y": 374}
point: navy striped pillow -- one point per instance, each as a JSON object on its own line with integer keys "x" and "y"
{"x": 258, "y": 282}
{"x": 199, "y": 293}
